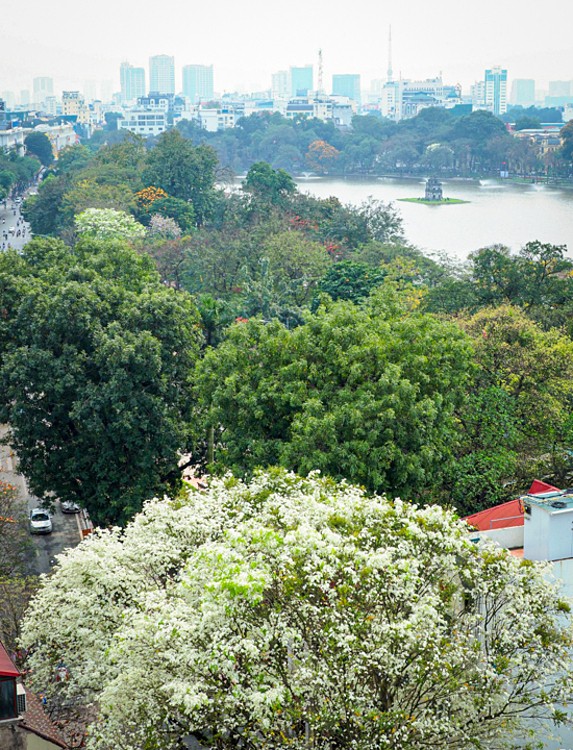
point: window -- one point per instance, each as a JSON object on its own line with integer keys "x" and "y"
{"x": 8, "y": 708}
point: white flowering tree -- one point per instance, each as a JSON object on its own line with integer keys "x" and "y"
{"x": 299, "y": 613}
{"x": 108, "y": 223}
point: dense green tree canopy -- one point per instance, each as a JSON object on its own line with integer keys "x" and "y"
{"x": 39, "y": 145}
{"x": 183, "y": 171}
{"x": 95, "y": 371}
{"x": 368, "y": 394}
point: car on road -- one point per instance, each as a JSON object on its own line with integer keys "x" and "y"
{"x": 68, "y": 506}
{"x": 40, "y": 521}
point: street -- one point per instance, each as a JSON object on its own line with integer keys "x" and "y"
{"x": 66, "y": 530}
{"x": 14, "y": 232}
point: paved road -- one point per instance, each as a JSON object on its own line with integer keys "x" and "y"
{"x": 11, "y": 219}
{"x": 66, "y": 531}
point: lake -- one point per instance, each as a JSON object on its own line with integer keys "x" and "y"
{"x": 498, "y": 212}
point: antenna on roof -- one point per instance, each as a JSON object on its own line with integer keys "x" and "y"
{"x": 389, "y": 73}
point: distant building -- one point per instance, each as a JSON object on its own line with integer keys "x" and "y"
{"x": 280, "y": 85}
{"x": 347, "y": 84}
{"x": 198, "y": 84}
{"x": 144, "y": 122}
{"x": 24, "y": 98}
{"x": 560, "y": 88}
{"x": 495, "y": 94}
{"x": 132, "y": 82}
{"x": 60, "y": 136}
{"x": 72, "y": 102}
{"x": 162, "y": 74}
{"x": 523, "y": 92}
{"x": 106, "y": 88}
{"x": 90, "y": 91}
{"x": 214, "y": 119}
{"x": 301, "y": 81}
{"x": 404, "y": 99}
{"x": 43, "y": 87}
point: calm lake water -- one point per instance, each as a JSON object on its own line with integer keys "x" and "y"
{"x": 498, "y": 212}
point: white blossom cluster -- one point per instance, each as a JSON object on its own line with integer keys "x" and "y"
{"x": 108, "y": 223}
{"x": 301, "y": 613}
{"x": 164, "y": 226}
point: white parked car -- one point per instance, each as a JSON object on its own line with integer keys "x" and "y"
{"x": 40, "y": 521}
{"x": 68, "y": 506}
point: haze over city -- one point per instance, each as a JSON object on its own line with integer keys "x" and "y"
{"x": 248, "y": 41}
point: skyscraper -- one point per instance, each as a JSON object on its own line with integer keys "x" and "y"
{"x": 496, "y": 90}
{"x": 280, "y": 85}
{"x": 347, "y": 84}
{"x": 162, "y": 74}
{"x": 301, "y": 80}
{"x": 132, "y": 82}
{"x": 43, "y": 87}
{"x": 198, "y": 82}
{"x": 523, "y": 92}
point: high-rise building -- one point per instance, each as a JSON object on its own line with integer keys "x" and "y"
{"x": 280, "y": 85}
{"x": 90, "y": 91}
{"x": 560, "y": 88}
{"x": 496, "y": 90}
{"x": 43, "y": 87}
{"x": 132, "y": 81}
{"x": 347, "y": 84}
{"x": 523, "y": 92}
{"x": 106, "y": 88}
{"x": 162, "y": 74}
{"x": 198, "y": 83}
{"x": 24, "y": 98}
{"x": 301, "y": 80}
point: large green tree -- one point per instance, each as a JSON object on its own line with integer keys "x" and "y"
{"x": 368, "y": 394}
{"x": 95, "y": 375}
{"x": 39, "y": 145}
{"x": 184, "y": 171}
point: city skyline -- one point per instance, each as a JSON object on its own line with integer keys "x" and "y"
{"x": 246, "y": 44}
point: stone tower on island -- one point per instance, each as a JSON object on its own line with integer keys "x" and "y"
{"x": 433, "y": 190}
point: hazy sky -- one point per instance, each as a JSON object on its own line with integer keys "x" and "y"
{"x": 247, "y": 40}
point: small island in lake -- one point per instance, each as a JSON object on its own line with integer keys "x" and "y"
{"x": 434, "y": 195}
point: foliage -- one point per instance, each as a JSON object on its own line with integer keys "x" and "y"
{"x": 161, "y": 226}
{"x": 146, "y": 197}
{"x": 350, "y": 280}
{"x": 293, "y": 612}
{"x": 94, "y": 376}
{"x": 516, "y": 413}
{"x": 16, "y": 172}
{"x": 38, "y": 144}
{"x": 42, "y": 211}
{"x": 267, "y": 183}
{"x": 367, "y": 394}
{"x": 107, "y": 223}
{"x": 16, "y": 585}
{"x": 183, "y": 171}
{"x": 321, "y": 156}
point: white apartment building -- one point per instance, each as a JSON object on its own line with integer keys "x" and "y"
{"x": 144, "y": 122}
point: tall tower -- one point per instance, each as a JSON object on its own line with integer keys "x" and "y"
{"x": 320, "y": 90}
{"x": 389, "y": 72}
{"x": 162, "y": 74}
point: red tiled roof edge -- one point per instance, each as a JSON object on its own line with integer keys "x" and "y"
{"x": 38, "y": 722}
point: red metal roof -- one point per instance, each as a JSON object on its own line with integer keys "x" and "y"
{"x": 507, "y": 514}
{"x": 7, "y": 668}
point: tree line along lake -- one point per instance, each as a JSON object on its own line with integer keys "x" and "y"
{"x": 497, "y": 212}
